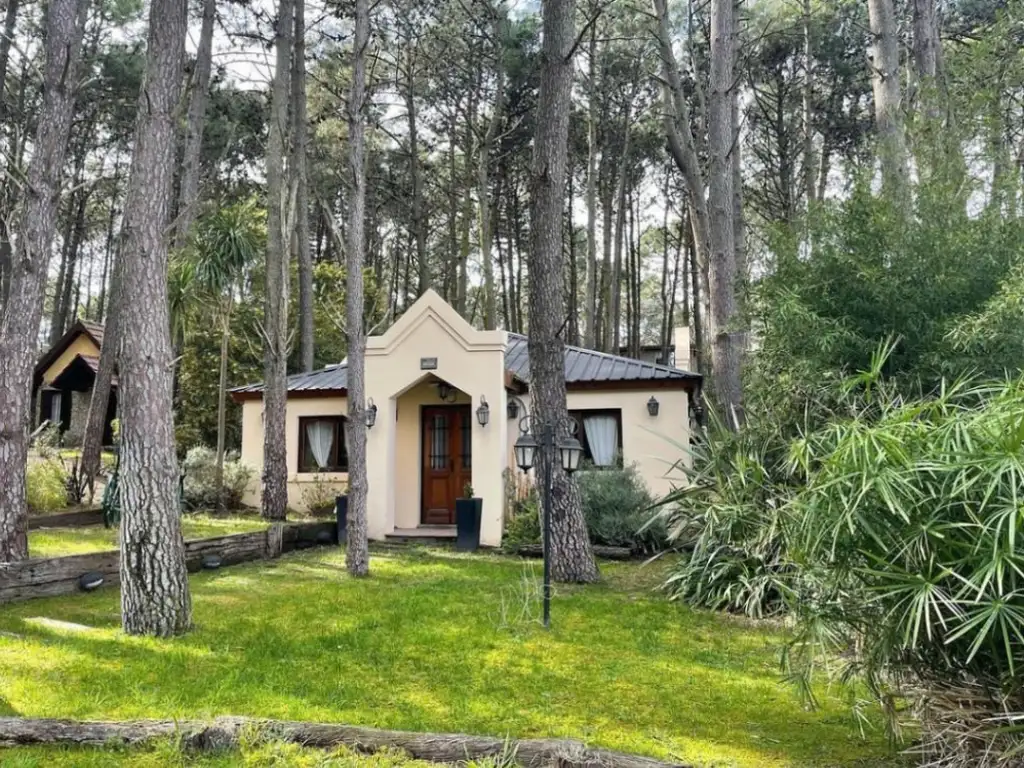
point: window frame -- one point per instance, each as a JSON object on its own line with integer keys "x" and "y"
{"x": 577, "y": 415}
{"x": 306, "y": 462}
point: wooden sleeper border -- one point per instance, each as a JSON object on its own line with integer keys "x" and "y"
{"x": 225, "y": 732}
{"x": 49, "y": 577}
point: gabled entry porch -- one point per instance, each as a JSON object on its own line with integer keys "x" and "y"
{"x": 428, "y": 375}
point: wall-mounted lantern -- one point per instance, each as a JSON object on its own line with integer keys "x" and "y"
{"x": 513, "y": 409}
{"x": 371, "y": 413}
{"x": 445, "y": 392}
{"x": 483, "y": 413}
{"x": 653, "y": 406}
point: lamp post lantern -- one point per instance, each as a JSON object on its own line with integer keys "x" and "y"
{"x": 552, "y": 435}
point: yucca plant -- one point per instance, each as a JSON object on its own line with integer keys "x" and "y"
{"x": 907, "y": 530}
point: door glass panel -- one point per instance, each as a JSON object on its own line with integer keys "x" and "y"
{"x": 439, "y": 442}
{"x": 467, "y": 443}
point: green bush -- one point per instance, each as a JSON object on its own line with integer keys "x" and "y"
{"x": 47, "y": 485}
{"x": 522, "y": 528}
{"x": 617, "y": 506}
{"x": 201, "y": 492}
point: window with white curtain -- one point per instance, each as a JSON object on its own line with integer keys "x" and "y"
{"x": 324, "y": 444}
{"x": 600, "y": 433}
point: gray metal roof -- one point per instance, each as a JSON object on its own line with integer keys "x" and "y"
{"x": 331, "y": 378}
{"x": 582, "y": 366}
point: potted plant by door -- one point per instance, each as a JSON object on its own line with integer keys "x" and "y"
{"x": 468, "y": 510}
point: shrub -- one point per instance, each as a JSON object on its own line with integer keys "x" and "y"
{"x": 47, "y": 485}
{"x": 522, "y": 528}
{"x": 319, "y": 496}
{"x": 201, "y": 492}
{"x": 617, "y": 506}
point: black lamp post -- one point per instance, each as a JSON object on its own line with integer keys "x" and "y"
{"x": 558, "y": 434}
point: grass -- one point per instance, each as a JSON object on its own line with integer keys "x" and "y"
{"x": 433, "y": 641}
{"x": 57, "y": 542}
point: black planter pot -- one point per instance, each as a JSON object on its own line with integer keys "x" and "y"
{"x": 467, "y": 523}
{"x": 341, "y": 510}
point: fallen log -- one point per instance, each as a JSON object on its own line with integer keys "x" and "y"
{"x": 600, "y": 550}
{"x": 224, "y": 733}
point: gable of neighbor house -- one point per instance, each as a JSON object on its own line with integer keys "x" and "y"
{"x": 62, "y": 381}
{"x": 422, "y": 449}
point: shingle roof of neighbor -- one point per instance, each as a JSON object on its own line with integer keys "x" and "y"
{"x": 582, "y": 366}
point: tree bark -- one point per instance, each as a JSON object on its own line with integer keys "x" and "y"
{"x": 483, "y": 170}
{"x": 226, "y": 733}
{"x": 419, "y": 223}
{"x": 96, "y": 419}
{"x": 300, "y": 146}
{"x": 24, "y": 307}
{"x": 357, "y": 553}
{"x": 726, "y": 336}
{"x": 275, "y": 312}
{"x": 590, "y": 307}
{"x": 807, "y": 95}
{"x": 222, "y": 405}
{"x": 927, "y": 42}
{"x": 188, "y": 193}
{"x": 571, "y": 556}
{"x": 615, "y": 280}
{"x": 62, "y": 301}
{"x": 885, "y": 85}
{"x": 10, "y": 22}
{"x": 155, "y": 598}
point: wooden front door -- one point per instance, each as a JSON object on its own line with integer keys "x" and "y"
{"x": 447, "y": 460}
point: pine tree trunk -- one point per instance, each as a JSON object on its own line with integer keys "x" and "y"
{"x": 726, "y": 337}
{"x": 571, "y": 557}
{"x": 222, "y": 404}
{"x": 24, "y": 307}
{"x": 155, "y": 597}
{"x": 483, "y": 173}
{"x": 419, "y": 223}
{"x": 807, "y": 93}
{"x": 885, "y": 85}
{"x": 590, "y": 308}
{"x": 275, "y": 312}
{"x": 10, "y": 21}
{"x": 62, "y": 304}
{"x": 614, "y": 340}
{"x": 96, "y": 419}
{"x": 357, "y": 555}
{"x": 300, "y": 146}
{"x": 188, "y": 193}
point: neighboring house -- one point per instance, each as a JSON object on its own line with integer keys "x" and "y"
{"x": 428, "y": 376}
{"x": 63, "y": 379}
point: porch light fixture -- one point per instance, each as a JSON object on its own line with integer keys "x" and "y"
{"x": 371, "y": 413}
{"x": 483, "y": 413}
{"x": 653, "y": 406}
{"x": 445, "y": 392}
{"x": 513, "y": 409}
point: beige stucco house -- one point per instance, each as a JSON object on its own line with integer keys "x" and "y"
{"x": 427, "y": 376}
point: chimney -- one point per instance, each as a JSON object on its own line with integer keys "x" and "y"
{"x": 681, "y": 340}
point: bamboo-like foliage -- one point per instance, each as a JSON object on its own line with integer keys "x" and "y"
{"x": 891, "y": 534}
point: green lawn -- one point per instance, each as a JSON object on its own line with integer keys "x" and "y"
{"x": 56, "y": 542}
{"x": 429, "y": 643}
